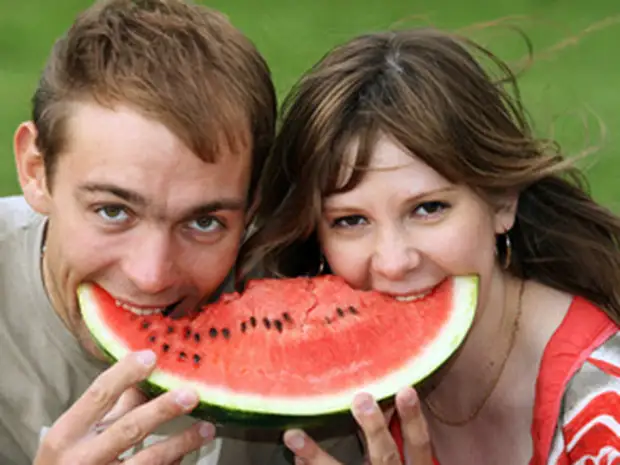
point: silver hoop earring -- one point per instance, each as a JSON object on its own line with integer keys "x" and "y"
{"x": 321, "y": 265}
{"x": 508, "y": 251}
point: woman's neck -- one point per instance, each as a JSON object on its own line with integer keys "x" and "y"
{"x": 460, "y": 389}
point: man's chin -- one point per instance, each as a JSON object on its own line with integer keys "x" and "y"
{"x": 90, "y": 346}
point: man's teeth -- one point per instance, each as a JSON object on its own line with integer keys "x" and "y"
{"x": 139, "y": 311}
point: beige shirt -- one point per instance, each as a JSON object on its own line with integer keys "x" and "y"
{"x": 44, "y": 370}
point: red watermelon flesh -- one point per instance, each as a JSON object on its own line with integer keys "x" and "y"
{"x": 301, "y": 346}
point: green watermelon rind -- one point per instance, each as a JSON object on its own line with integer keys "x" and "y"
{"x": 249, "y": 410}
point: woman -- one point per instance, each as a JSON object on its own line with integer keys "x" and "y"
{"x": 400, "y": 162}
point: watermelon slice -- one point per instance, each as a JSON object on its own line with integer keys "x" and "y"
{"x": 290, "y": 352}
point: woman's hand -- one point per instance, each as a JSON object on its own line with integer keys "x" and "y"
{"x": 381, "y": 449}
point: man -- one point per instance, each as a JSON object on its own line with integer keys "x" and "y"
{"x": 150, "y": 126}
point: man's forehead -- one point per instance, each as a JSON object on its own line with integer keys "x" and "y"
{"x": 88, "y": 121}
{"x": 139, "y": 161}
{"x": 119, "y": 129}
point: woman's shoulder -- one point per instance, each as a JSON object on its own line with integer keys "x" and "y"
{"x": 595, "y": 382}
{"x": 583, "y": 333}
{"x": 588, "y": 424}
{"x": 577, "y": 408}
{"x": 563, "y": 322}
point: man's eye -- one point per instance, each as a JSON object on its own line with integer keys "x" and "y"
{"x": 113, "y": 213}
{"x": 206, "y": 224}
{"x": 349, "y": 221}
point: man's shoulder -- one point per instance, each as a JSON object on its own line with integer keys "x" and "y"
{"x": 15, "y": 214}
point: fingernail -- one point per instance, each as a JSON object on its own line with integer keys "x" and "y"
{"x": 296, "y": 441}
{"x": 185, "y": 398}
{"x": 146, "y": 357}
{"x": 206, "y": 430}
{"x": 410, "y": 397}
{"x": 364, "y": 404}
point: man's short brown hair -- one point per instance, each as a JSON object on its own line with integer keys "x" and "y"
{"x": 183, "y": 65}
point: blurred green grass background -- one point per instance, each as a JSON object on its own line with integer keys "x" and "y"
{"x": 577, "y": 84}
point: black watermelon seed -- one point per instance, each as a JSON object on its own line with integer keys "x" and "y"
{"x": 278, "y": 325}
{"x": 152, "y": 338}
{"x": 267, "y": 323}
{"x": 196, "y": 358}
{"x": 197, "y": 337}
{"x": 253, "y": 321}
{"x": 146, "y": 324}
{"x": 182, "y": 355}
{"x": 213, "y": 332}
{"x": 328, "y": 320}
{"x": 287, "y": 317}
{"x": 243, "y": 327}
{"x": 165, "y": 347}
{"x": 226, "y": 333}
{"x": 170, "y": 329}
{"x": 340, "y": 311}
{"x": 353, "y": 310}
{"x": 187, "y": 332}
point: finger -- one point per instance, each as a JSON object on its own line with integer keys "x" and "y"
{"x": 306, "y": 450}
{"x": 101, "y": 396}
{"x": 129, "y": 400}
{"x": 388, "y": 413}
{"x": 172, "y": 450}
{"x": 137, "y": 424}
{"x": 416, "y": 438}
{"x": 379, "y": 442}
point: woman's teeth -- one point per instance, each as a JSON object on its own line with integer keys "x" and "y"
{"x": 140, "y": 311}
{"x": 411, "y": 298}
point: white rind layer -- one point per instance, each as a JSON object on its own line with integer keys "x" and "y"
{"x": 414, "y": 370}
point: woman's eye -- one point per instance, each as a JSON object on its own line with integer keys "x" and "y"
{"x": 113, "y": 213}
{"x": 206, "y": 224}
{"x": 349, "y": 221}
{"x": 430, "y": 208}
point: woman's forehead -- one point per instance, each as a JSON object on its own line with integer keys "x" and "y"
{"x": 390, "y": 167}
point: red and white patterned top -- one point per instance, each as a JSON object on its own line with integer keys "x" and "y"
{"x": 577, "y": 405}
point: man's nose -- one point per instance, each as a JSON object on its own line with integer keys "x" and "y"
{"x": 150, "y": 263}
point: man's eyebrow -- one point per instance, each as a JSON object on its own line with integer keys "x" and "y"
{"x": 120, "y": 192}
{"x": 138, "y": 199}
{"x": 217, "y": 205}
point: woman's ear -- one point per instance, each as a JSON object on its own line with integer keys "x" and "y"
{"x": 31, "y": 168}
{"x": 505, "y": 212}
